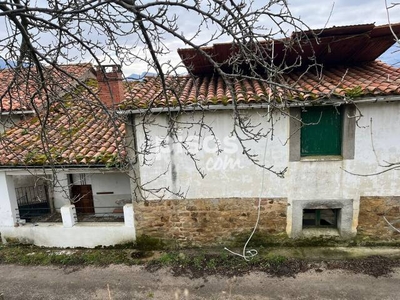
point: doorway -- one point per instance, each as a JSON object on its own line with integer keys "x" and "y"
{"x": 83, "y": 196}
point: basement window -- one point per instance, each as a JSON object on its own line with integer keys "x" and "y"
{"x": 320, "y": 218}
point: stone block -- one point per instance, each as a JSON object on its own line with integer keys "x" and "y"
{"x": 208, "y": 221}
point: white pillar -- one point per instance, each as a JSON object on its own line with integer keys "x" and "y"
{"x": 129, "y": 216}
{"x": 8, "y": 201}
{"x": 61, "y": 190}
{"x": 68, "y": 215}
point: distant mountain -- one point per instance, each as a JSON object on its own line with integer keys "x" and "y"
{"x": 140, "y": 76}
{"x": 6, "y": 64}
{"x": 391, "y": 56}
{"x": 3, "y": 64}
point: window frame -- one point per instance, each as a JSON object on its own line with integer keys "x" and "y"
{"x": 345, "y": 217}
{"x": 318, "y": 211}
{"x": 347, "y": 134}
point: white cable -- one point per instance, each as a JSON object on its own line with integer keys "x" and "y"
{"x": 247, "y": 255}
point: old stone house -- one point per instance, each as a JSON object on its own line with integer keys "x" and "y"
{"x": 338, "y": 123}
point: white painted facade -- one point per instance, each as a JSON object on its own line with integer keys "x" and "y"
{"x": 231, "y": 174}
{"x": 69, "y": 233}
{"x": 8, "y": 201}
{"x": 103, "y": 181}
{"x": 110, "y": 190}
{"x": 88, "y": 235}
{"x": 228, "y": 175}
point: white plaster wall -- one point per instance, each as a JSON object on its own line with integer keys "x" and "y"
{"x": 154, "y": 167}
{"x": 61, "y": 190}
{"x": 118, "y": 183}
{"x": 77, "y": 179}
{"x": 303, "y": 180}
{"x": 8, "y": 201}
{"x": 229, "y": 174}
{"x": 88, "y": 235}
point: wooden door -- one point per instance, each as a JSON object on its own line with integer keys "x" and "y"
{"x": 84, "y": 194}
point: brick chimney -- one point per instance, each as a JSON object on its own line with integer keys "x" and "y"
{"x": 111, "y": 87}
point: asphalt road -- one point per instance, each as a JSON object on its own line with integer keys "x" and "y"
{"x": 123, "y": 282}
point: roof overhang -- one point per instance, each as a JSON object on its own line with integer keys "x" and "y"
{"x": 17, "y": 112}
{"x": 35, "y": 171}
{"x": 329, "y": 46}
{"x": 264, "y": 105}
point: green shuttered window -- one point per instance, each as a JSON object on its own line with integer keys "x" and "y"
{"x": 321, "y": 133}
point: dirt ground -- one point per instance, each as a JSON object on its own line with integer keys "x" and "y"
{"x": 30, "y": 272}
{"x": 289, "y": 267}
{"x": 135, "y": 282}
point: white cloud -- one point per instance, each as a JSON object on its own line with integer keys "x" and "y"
{"x": 314, "y": 13}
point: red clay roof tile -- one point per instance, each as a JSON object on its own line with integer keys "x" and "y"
{"x": 19, "y": 91}
{"x": 70, "y": 140}
{"x": 373, "y": 78}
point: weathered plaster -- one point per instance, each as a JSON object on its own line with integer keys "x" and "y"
{"x": 304, "y": 180}
{"x": 88, "y": 235}
{"x": 8, "y": 201}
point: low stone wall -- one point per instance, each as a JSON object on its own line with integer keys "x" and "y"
{"x": 86, "y": 235}
{"x": 208, "y": 221}
{"x": 371, "y": 222}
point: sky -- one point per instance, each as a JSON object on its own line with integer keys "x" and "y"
{"x": 343, "y": 12}
{"x": 315, "y": 13}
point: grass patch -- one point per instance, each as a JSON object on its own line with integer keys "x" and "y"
{"x": 202, "y": 262}
{"x": 148, "y": 243}
{"x": 196, "y": 263}
{"x": 32, "y": 255}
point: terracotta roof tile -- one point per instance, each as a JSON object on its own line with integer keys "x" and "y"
{"x": 372, "y": 78}
{"x": 19, "y": 90}
{"x": 79, "y": 132}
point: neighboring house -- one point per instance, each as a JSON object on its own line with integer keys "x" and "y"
{"x": 334, "y": 121}
{"x": 77, "y": 160}
{"x": 21, "y": 97}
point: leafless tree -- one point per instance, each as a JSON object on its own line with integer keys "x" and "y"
{"x": 389, "y": 8}
{"x": 384, "y": 164}
{"x": 41, "y": 37}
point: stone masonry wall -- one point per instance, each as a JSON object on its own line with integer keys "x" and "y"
{"x": 208, "y": 221}
{"x": 371, "y": 222}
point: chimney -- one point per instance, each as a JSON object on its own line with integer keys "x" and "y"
{"x": 111, "y": 87}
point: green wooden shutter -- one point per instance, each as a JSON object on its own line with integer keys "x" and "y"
{"x": 322, "y": 132}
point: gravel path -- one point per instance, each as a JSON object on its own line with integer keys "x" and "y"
{"x": 124, "y": 282}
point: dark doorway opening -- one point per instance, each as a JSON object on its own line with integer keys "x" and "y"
{"x": 82, "y": 196}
